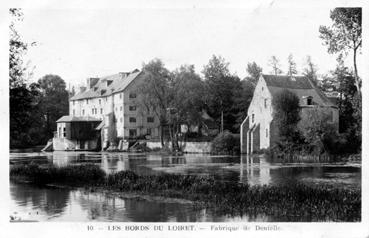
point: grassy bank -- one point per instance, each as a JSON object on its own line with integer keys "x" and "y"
{"x": 295, "y": 202}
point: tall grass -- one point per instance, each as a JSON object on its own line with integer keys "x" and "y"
{"x": 295, "y": 202}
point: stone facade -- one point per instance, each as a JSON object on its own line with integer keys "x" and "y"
{"x": 115, "y": 101}
{"x": 258, "y": 130}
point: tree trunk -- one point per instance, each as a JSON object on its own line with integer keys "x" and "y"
{"x": 161, "y": 135}
{"x": 357, "y": 79}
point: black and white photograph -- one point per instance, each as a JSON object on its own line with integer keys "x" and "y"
{"x": 159, "y": 118}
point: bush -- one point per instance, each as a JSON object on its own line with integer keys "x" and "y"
{"x": 226, "y": 143}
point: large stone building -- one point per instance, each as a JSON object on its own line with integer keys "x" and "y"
{"x": 107, "y": 110}
{"x": 258, "y": 130}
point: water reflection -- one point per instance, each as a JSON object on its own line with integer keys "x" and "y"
{"x": 62, "y": 204}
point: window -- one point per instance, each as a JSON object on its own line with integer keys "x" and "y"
{"x": 73, "y": 103}
{"x": 132, "y": 119}
{"x": 132, "y": 132}
{"x": 83, "y": 112}
{"x": 150, "y": 119}
{"x": 87, "y": 101}
{"x": 266, "y": 132}
{"x": 132, "y": 95}
{"x": 132, "y": 108}
{"x": 101, "y": 111}
{"x": 74, "y": 112}
{"x": 59, "y": 132}
{"x": 252, "y": 117}
{"x": 92, "y": 111}
{"x": 64, "y": 133}
{"x": 100, "y": 101}
{"x": 265, "y": 102}
{"x": 148, "y": 132}
{"x": 120, "y": 95}
{"x": 309, "y": 101}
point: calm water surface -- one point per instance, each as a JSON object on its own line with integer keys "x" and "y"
{"x": 62, "y": 204}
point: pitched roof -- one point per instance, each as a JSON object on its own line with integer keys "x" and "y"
{"x": 299, "y": 85}
{"x": 101, "y": 89}
{"x": 76, "y": 119}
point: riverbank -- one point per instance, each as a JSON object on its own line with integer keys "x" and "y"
{"x": 295, "y": 202}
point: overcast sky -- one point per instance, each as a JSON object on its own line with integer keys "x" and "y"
{"x": 79, "y": 43}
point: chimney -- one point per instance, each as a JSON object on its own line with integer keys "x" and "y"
{"x": 92, "y": 82}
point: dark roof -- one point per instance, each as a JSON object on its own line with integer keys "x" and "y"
{"x": 101, "y": 89}
{"x": 76, "y": 119}
{"x": 299, "y": 85}
{"x": 295, "y": 82}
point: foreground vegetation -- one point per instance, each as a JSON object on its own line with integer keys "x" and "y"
{"x": 295, "y": 202}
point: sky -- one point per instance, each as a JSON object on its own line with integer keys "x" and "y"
{"x": 77, "y": 43}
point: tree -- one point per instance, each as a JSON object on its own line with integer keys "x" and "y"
{"x": 291, "y": 66}
{"x": 344, "y": 35}
{"x": 287, "y": 115}
{"x": 188, "y": 97}
{"x": 254, "y": 72}
{"x": 155, "y": 92}
{"x": 25, "y": 119}
{"x": 221, "y": 85}
{"x": 274, "y": 63}
{"x": 242, "y": 100}
{"x": 317, "y": 131}
{"x": 54, "y": 101}
{"x": 310, "y": 71}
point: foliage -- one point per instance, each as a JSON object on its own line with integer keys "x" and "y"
{"x": 155, "y": 93}
{"x": 274, "y": 63}
{"x": 254, "y": 72}
{"x": 344, "y": 35}
{"x": 225, "y": 143}
{"x": 221, "y": 87}
{"x": 54, "y": 101}
{"x": 188, "y": 97}
{"x": 318, "y": 131}
{"x": 74, "y": 174}
{"x": 242, "y": 99}
{"x": 291, "y": 66}
{"x": 292, "y": 202}
{"x": 287, "y": 115}
{"x": 310, "y": 71}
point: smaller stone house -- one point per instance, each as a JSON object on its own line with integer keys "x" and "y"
{"x": 258, "y": 130}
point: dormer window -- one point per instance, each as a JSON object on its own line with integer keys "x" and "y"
{"x": 307, "y": 100}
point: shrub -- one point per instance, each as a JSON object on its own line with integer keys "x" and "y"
{"x": 226, "y": 143}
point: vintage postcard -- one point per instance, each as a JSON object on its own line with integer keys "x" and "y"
{"x": 185, "y": 118}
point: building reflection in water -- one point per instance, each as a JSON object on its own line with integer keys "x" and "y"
{"x": 254, "y": 170}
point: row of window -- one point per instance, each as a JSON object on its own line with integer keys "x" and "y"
{"x": 133, "y": 132}
{"x": 131, "y": 95}
{"x": 149, "y": 119}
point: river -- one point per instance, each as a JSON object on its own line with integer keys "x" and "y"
{"x": 65, "y": 204}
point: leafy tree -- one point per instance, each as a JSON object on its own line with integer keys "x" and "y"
{"x": 287, "y": 115}
{"x": 242, "y": 99}
{"x": 54, "y": 101}
{"x": 274, "y": 63}
{"x": 188, "y": 97}
{"x": 155, "y": 92}
{"x": 317, "y": 130}
{"x": 310, "y": 71}
{"x": 344, "y": 35}
{"x": 291, "y": 66}
{"x": 25, "y": 119}
{"x": 17, "y": 49}
{"x": 221, "y": 87}
{"x": 254, "y": 72}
